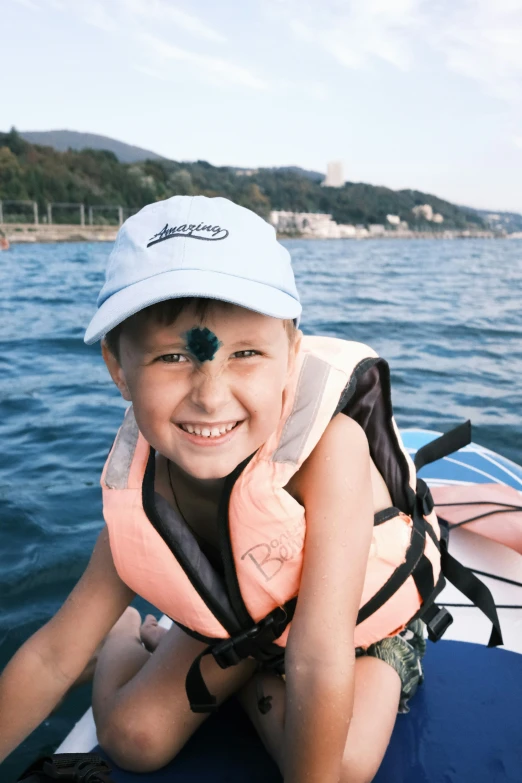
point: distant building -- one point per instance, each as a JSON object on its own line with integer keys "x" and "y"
{"x": 394, "y": 220}
{"x": 313, "y": 224}
{"x": 376, "y": 229}
{"x": 346, "y": 231}
{"x": 437, "y": 218}
{"x": 423, "y": 211}
{"x": 334, "y": 175}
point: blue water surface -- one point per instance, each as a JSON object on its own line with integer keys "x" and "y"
{"x": 446, "y": 315}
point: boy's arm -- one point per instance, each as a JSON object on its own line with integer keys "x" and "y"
{"x": 335, "y": 487}
{"x": 49, "y": 662}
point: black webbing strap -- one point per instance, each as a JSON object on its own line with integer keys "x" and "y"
{"x": 465, "y": 580}
{"x": 68, "y": 768}
{"x": 256, "y": 642}
{"x": 446, "y": 444}
{"x": 414, "y": 554}
{"x": 503, "y": 508}
{"x": 425, "y": 502}
{"x": 437, "y": 619}
{"x": 423, "y": 578}
{"x": 199, "y": 696}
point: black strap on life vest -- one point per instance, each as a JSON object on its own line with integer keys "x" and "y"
{"x": 501, "y": 508}
{"x": 255, "y": 642}
{"x": 414, "y": 553}
{"x": 446, "y": 444}
{"x": 469, "y": 585}
{"x": 68, "y": 768}
{"x": 438, "y": 619}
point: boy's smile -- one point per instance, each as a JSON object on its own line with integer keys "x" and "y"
{"x": 205, "y": 395}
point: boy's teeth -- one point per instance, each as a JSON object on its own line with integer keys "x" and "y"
{"x": 208, "y": 432}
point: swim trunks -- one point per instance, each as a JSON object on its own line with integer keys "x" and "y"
{"x": 404, "y": 653}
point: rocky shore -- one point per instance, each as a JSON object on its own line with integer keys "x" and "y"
{"x": 25, "y": 232}
{"x": 28, "y": 232}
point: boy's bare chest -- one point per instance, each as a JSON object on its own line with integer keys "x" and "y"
{"x": 198, "y": 510}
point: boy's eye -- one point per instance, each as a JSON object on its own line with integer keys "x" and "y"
{"x": 173, "y": 358}
{"x": 243, "y": 354}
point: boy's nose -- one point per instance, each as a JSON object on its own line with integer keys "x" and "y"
{"x": 210, "y": 392}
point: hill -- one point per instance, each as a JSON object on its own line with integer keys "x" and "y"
{"x": 510, "y": 222}
{"x": 96, "y": 177}
{"x": 316, "y": 176}
{"x": 63, "y": 140}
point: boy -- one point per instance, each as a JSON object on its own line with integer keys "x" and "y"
{"x": 198, "y": 318}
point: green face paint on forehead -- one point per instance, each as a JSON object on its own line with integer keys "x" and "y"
{"x": 202, "y": 343}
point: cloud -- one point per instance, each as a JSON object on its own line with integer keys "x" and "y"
{"x": 152, "y": 72}
{"x": 216, "y": 68}
{"x": 97, "y": 15}
{"x": 28, "y": 4}
{"x": 132, "y": 19}
{"x": 123, "y": 14}
{"x": 355, "y": 32}
{"x": 166, "y": 13}
{"x": 479, "y": 39}
{"x": 483, "y": 41}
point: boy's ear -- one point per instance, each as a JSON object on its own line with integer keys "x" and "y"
{"x": 115, "y": 371}
{"x": 296, "y": 346}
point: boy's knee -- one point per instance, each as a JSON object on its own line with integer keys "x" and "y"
{"x": 135, "y": 746}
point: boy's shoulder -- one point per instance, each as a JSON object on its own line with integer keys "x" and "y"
{"x": 343, "y": 442}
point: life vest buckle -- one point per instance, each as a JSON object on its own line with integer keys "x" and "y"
{"x": 438, "y": 620}
{"x": 250, "y": 643}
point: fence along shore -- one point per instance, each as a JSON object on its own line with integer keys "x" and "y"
{"x": 21, "y": 222}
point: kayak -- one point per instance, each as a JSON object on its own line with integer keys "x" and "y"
{"x": 464, "y": 721}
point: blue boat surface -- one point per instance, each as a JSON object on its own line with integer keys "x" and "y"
{"x": 464, "y": 723}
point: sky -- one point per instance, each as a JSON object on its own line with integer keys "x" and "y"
{"x": 406, "y": 93}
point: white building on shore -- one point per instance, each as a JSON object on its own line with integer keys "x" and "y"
{"x": 314, "y": 224}
{"x": 334, "y": 175}
{"x": 426, "y": 212}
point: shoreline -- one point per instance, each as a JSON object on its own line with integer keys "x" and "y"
{"x": 24, "y": 233}
{"x": 27, "y": 233}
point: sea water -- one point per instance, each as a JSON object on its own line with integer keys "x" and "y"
{"x": 447, "y": 315}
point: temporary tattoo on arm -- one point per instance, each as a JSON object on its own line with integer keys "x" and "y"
{"x": 202, "y": 343}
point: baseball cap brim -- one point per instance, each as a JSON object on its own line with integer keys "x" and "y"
{"x": 259, "y": 297}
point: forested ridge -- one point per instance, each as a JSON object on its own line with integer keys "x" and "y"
{"x": 96, "y": 177}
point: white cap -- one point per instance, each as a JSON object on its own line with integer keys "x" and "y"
{"x": 195, "y": 246}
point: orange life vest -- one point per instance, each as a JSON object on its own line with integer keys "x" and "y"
{"x": 247, "y": 611}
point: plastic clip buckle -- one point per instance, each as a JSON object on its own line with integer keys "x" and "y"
{"x": 439, "y": 624}
{"x": 231, "y": 651}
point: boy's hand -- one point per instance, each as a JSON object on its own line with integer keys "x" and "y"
{"x": 50, "y": 661}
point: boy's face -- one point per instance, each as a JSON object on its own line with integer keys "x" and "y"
{"x": 205, "y": 395}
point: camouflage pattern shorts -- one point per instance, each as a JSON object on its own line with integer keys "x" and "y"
{"x": 404, "y": 652}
